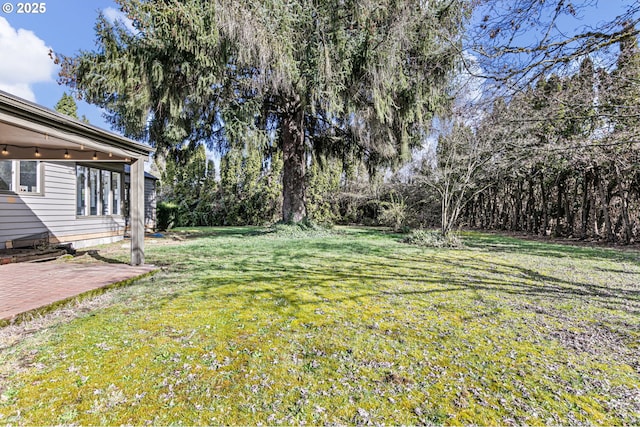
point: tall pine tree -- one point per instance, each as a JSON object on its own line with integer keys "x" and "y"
{"x": 67, "y": 105}
{"x": 329, "y": 76}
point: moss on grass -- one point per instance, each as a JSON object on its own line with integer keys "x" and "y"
{"x": 350, "y": 328}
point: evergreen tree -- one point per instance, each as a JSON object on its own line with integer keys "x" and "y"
{"x": 67, "y": 105}
{"x": 250, "y": 187}
{"x": 188, "y": 187}
{"x": 569, "y": 165}
{"x": 324, "y": 189}
{"x": 621, "y": 98}
{"x": 328, "y": 76}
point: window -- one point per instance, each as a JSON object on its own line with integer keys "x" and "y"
{"x": 98, "y": 192}
{"x": 28, "y": 177}
{"x": 6, "y": 175}
{"x": 81, "y": 177}
{"x": 94, "y": 190}
{"x": 106, "y": 192}
{"x": 115, "y": 193}
{"x": 20, "y": 176}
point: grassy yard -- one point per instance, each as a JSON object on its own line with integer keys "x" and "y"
{"x": 246, "y": 326}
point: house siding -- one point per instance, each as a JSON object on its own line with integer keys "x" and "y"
{"x": 54, "y": 211}
{"x": 150, "y": 203}
{"x": 150, "y": 199}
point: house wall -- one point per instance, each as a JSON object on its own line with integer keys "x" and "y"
{"x": 150, "y": 199}
{"x": 150, "y": 203}
{"x": 54, "y": 211}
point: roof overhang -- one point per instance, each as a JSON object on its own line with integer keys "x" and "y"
{"x": 31, "y": 132}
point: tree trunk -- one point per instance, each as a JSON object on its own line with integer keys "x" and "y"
{"x": 571, "y": 207}
{"x": 586, "y": 206}
{"x": 532, "y": 221}
{"x": 444, "y": 214}
{"x": 495, "y": 215}
{"x": 624, "y": 196}
{"x": 604, "y": 200}
{"x": 560, "y": 191}
{"x": 518, "y": 214}
{"x": 482, "y": 206}
{"x": 626, "y": 222}
{"x": 545, "y": 213}
{"x": 293, "y": 173}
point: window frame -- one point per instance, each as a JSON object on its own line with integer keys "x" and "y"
{"x": 104, "y": 191}
{"x": 11, "y": 179}
{"x": 81, "y": 197}
{"x": 15, "y": 183}
{"x": 115, "y": 195}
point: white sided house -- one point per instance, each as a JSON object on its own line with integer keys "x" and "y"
{"x": 64, "y": 181}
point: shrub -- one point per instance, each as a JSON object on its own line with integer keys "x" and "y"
{"x": 166, "y": 215}
{"x": 301, "y": 229}
{"x": 394, "y": 213}
{"x": 433, "y": 239}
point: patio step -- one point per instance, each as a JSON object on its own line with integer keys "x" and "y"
{"x": 30, "y": 255}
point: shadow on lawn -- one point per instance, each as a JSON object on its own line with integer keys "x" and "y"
{"x": 189, "y": 233}
{"x": 506, "y": 244}
{"x": 294, "y": 273}
{"x": 95, "y": 255}
{"x": 332, "y": 272}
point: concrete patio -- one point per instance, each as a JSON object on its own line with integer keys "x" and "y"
{"x": 28, "y": 286}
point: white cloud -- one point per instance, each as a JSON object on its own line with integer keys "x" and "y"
{"x": 22, "y": 90}
{"x": 114, "y": 15}
{"x": 468, "y": 82}
{"x": 25, "y": 60}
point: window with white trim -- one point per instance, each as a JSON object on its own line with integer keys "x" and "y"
{"x": 6, "y": 175}
{"x": 105, "y": 200}
{"x": 20, "y": 176}
{"x": 81, "y": 182}
{"x": 115, "y": 193}
{"x": 94, "y": 190}
{"x": 98, "y": 191}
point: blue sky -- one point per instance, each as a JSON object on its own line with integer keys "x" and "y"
{"x": 67, "y": 27}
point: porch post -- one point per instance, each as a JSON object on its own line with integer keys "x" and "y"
{"x": 136, "y": 211}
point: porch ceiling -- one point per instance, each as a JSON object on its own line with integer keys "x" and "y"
{"x": 31, "y": 132}
{"x": 17, "y": 143}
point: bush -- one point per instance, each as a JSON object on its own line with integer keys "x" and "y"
{"x": 301, "y": 229}
{"x": 166, "y": 213}
{"x": 394, "y": 213}
{"x": 433, "y": 239}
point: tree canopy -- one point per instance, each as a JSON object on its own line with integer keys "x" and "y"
{"x": 347, "y": 78}
{"x": 67, "y": 105}
{"x": 516, "y": 42}
{"x": 564, "y": 155}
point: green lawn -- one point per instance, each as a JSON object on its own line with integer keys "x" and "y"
{"x": 246, "y": 326}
